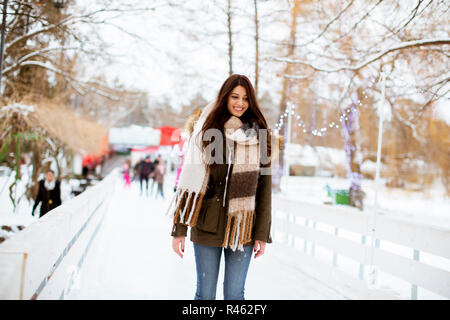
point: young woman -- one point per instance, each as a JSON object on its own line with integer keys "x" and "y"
{"x": 222, "y": 193}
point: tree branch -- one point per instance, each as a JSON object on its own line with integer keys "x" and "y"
{"x": 401, "y": 46}
{"x": 20, "y": 62}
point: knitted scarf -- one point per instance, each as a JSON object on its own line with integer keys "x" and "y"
{"x": 243, "y": 151}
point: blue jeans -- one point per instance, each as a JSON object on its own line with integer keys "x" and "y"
{"x": 207, "y": 260}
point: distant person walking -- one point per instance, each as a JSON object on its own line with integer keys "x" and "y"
{"x": 152, "y": 175}
{"x": 158, "y": 177}
{"x": 126, "y": 174}
{"x": 85, "y": 171}
{"x": 49, "y": 194}
{"x": 137, "y": 169}
{"x": 146, "y": 167}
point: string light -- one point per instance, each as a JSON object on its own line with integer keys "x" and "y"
{"x": 319, "y": 132}
{"x": 300, "y": 123}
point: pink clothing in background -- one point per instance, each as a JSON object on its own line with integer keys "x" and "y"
{"x": 178, "y": 172}
{"x": 126, "y": 175}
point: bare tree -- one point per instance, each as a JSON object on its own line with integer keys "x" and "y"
{"x": 230, "y": 38}
{"x": 255, "y": 4}
{"x": 285, "y": 92}
{"x": 428, "y": 38}
{"x": 354, "y": 42}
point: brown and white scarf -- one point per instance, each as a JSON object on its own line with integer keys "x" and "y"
{"x": 243, "y": 151}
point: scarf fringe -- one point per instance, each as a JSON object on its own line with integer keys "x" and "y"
{"x": 238, "y": 230}
{"x": 189, "y": 204}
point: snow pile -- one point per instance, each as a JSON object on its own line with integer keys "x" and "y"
{"x": 18, "y": 107}
{"x": 442, "y": 110}
{"x": 306, "y": 155}
{"x": 7, "y": 231}
{"x": 429, "y": 208}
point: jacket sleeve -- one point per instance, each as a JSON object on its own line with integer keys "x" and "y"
{"x": 58, "y": 194}
{"x": 179, "y": 230}
{"x": 263, "y": 209}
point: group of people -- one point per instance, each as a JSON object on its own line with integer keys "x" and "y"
{"x": 146, "y": 170}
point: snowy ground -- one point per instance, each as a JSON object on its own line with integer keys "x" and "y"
{"x": 431, "y": 207}
{"x": 132, "y": 259}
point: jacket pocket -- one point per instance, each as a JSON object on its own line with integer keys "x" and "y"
{"x": 208, "y": 219}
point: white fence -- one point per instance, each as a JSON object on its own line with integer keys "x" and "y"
{"x": 43, "y": 260}
{"x": 305, "y": 226}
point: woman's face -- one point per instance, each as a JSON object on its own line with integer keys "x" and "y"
{"x": 49, "y": 176}
{"x": 237, "y": 101}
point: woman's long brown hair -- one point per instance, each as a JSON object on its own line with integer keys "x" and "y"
{"x": 220, "y": 114}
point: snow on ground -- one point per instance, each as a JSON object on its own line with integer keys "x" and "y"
{"x": 21, "y": 215}
{"x": 132, "y": 258}
{"x": 431, "y": 207}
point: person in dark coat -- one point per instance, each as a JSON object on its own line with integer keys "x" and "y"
{"x": 152, "y": 173}
{"x": 49, "y": 194}
{"x": 137, "y": 169}
{"x": 158, "y": 177}
{"x": 85, "y": 172}
{"x": 146, "y": 167}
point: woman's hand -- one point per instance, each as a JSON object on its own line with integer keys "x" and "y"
{"x": 178, "y": 244}
{"x": 259, "y": 248}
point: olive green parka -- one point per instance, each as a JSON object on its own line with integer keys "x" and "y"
{"x": 211, "y": 224}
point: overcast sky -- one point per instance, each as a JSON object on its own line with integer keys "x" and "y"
{"x": 178, "y": 52}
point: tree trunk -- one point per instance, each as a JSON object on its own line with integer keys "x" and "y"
{"x": 230, "y": 40}
{"x": 351, "y": 133}
{"x": 2, "y": 40}
{"x": 285, "y": 94}
{"x": 256, "y": 47}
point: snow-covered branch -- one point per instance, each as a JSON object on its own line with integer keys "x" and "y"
{"x": 33, "y": 33}
{"x": 435, "y": 96}
{"x": 336, "y": 18}
{"x": 88, "y": 85}
{"x": 296, "y": 77}
{"x": 408, "y": 123}
{"x": 401, "y": 46}
{"x": 20, "y": 62}
{"x": 73, "y": 19}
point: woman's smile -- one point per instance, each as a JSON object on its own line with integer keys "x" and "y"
{"x": 238, "y": 101}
